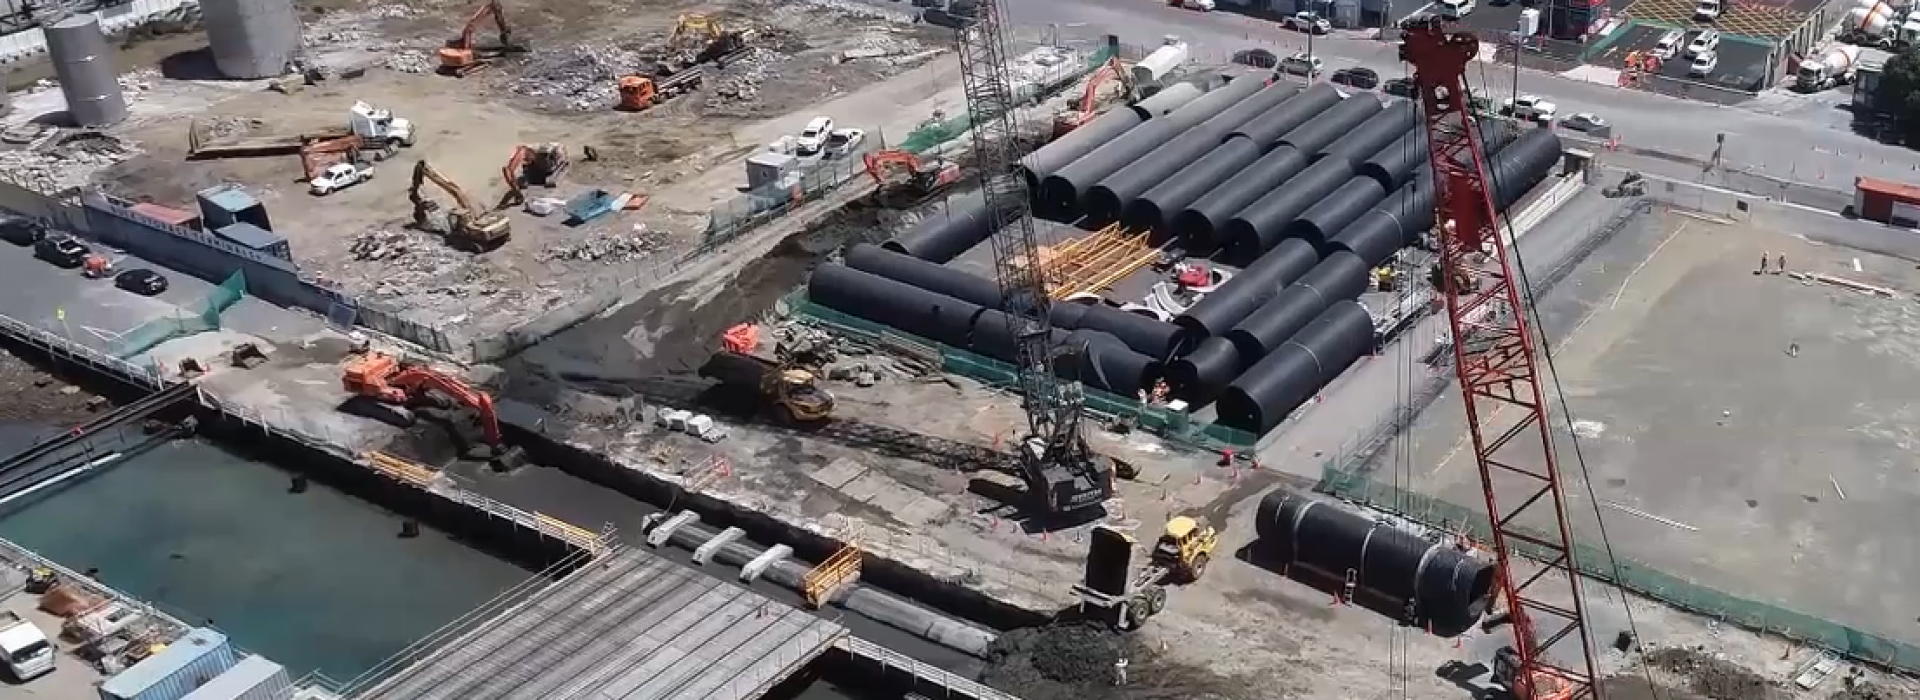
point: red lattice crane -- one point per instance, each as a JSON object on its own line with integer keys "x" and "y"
{"x": 1494, "y": 358}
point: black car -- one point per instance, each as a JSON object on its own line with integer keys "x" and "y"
{"x": 61, "y": 250}
{"x": 19, "y": 231}
{"x": 1358, "y": 78}
{"x": 1399, "y": 87}
{"x": 141, "y": 281}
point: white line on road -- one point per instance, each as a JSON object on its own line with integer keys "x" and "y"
{"x": 1643, "y": 263}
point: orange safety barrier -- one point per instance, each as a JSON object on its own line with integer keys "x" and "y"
{"x": 820, "y": 583}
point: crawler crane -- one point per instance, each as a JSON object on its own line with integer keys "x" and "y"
{"x": 1494, "y": 358}
{"x": 1062, "y": 473}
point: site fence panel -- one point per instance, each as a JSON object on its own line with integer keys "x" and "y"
{"x": 741, "y": 213}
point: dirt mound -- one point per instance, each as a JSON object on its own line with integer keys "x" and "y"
{"x": 1077, "y": 660}
{"x": 1868, "y": 691}
{"x": 1716, "y": 678}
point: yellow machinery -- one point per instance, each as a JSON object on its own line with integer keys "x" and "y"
{"x": 1126, "y": 597}
{"x": 466, "y": 226}
{"x": 701, "y": 38}
{"x": 1094, "y": 262}
{"x": 795, "y": 391}
{"x": 819, "y": 585}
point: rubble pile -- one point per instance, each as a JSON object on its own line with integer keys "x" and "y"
{"x": 1061, "y": 661}
{"x": 65, "y": 161}
{"x": 220, "y": 127}
{"x": 410, "y": 61}
{"x": 740, "y": 80}
{"x": 811, "y": 9}
{"x": 421, "y": 264}
{"x": 581, "y": 76}
{"x": 606, "y": 248}
{"x": 1714, "y": 676}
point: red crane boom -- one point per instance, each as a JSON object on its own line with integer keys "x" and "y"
{"x": 1494, "y": 358}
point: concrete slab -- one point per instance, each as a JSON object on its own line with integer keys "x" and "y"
{"x": 866, "y": 487}
{"x": 838, "y": 472}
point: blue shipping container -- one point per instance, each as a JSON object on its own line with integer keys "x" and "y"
{"x": 188, "y": 663}
{"x": 254, "y": 678}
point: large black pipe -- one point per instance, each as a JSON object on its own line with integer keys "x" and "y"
{"x": 1149, "y": 336}
{"x": 1263, "y": 224}
{"x": 938, "y": 279}
{"x": 1340, "y": 276}
{"x": 1268, "y": 392}
{"x": 1242, "y": 147}
{"x": 1412, "y": 205}
{"x": 910, "y": 309}
{"x": 1201, "y": 374}
{"x": 1200, "y": 223}
{"x": 989, "y": 333}
{"x": 958, "y": 226}
{"x": 1106, "y": 200}
{"x": 1445, "y": 589}
{"x": 1060, "y": 193}
{"x": 1520, "y": 166}
{"x": 1106, "y": 363}
{"x": 1381, "y": 129}
{"x": 1399, "y": 162}
{"x": 1315, "y": 136}
{"x": 1220, "y": 309}
{"x": 1050, "y": 158}
{"x": 1326, "y": 218}
{"x": 1375, "y": 237}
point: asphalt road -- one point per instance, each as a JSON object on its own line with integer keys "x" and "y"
{"x": 1781, "y": 137}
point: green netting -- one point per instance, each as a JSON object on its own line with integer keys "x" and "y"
{"x": 188, "y": 320}
{"x": 932, "y": 133}
{"x": 1634, "y": 576}
{"x": 1172, "y": 425}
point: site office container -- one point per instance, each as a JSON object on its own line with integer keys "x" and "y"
{"x": 188, "y": 663}
{"x": 254, "y": 678}
{"x": 1886, "y": 201}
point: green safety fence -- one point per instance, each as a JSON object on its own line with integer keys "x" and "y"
{"x": 1176, "y": 426}
{"x": 932, "y": 133}
{"x": 197, "y": 318}
{"x": 1632, "y": 575}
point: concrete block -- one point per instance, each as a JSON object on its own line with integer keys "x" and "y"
{"x": 775, "y": 555}
{"x": 660, "y": 533}
{"x": 838, "y": 472}
{"x": 922, "y": 510}
{"x": 705, "y": 551}
{"x": 867, "y": 486}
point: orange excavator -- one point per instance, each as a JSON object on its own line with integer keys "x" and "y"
{"x": 1086, "y": 110}
{"x": 317, "y": 156}
{"x": 465, "y": 226}
{"x": 384, "y": 378}
{"x": 902, "y": 179}
{"x": 461, "y": 56}
{"x": 531, "y": 165}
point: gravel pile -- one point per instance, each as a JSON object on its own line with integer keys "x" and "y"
{"x": 1063, "y": 660}
{"x": 740, "y": 80}
{"x": 606, "y": 248}
{"x": 581, "y": 77}
{"x": 65, "y": 161}
{"x": 415, "y": 264}
{"x": 410, "y": 61}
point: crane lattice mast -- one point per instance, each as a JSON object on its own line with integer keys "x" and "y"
{"x": 1494, "y": 358}
{"x": 1055, "y": 456}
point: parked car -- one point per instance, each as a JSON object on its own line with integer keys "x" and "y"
{"x": 1704, "y": 64}
{"x": 1532, "y": 108}
{"x": 1357, "y": 78}
{"x": 22, "y": 231}
{"x": 1302, "y": 63}
{"x": 61, "y": 250}
{"x": 1584, "y": 122}
{"x": 1705, "y": 42}
{"x": 338, "y": 176}
{"x": 1398, "y": 87}
{"x": 141, "y": 281}
{"x": 1195, "y": 5}
{"x": 814, "y": 136}
{"x": 1707, "y": 10}
{"x": 1669, "y": 45}
{"x": 1307, "y": 22}
{"x": 842, "y": 142}
{"x": 1455, "y": 9}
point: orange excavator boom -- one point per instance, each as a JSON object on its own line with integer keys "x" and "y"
{"x": 510, "y": 173}
{"x": 460, "y": 56}
{"x": 882, "y": 164}
{"x": 384, "y": 378}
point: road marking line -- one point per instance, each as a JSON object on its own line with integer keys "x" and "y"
{"x": 1643, "y": 263}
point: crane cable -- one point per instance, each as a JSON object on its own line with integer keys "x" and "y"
{"x": 1566, "y": 413}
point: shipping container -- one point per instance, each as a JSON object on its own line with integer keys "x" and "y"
{"x": 167, "y": 215}
{"x": 254, "y": 678}
{"x": 186, "y": 664}
{"x": 1886, "y": 201}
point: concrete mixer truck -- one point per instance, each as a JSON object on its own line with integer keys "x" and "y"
{"x": 1829, "y": 69}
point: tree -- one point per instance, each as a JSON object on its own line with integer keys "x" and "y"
{"x": 1898, "y": 94}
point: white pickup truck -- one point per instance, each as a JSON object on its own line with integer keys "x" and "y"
{"x": 28, "y": 652}
{"x": 339, "y": 176}
{"x": 1533, "y": 108}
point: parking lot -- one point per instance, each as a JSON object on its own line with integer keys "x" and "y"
{"x": 1762, "y": 20}
{"x": 1496, "y": 20}
{"x": 1743, "y": 63}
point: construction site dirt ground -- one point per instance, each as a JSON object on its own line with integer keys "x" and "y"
{"x": 686, "y": 156}
{"x": 1750, "y": 433}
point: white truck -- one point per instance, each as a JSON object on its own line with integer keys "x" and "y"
{"x": 339, "y": 176}
{"x": 1830, "y": 69}
{"x": 1531, "y": 108}
{"x": 379, "y": 126}
{"x": 29, "y": 653}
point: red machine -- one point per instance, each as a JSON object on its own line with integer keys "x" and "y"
{"x": 461, "y": 56}
{"x": 1494, "y": 358}
{"x": 904, "y": 180}
{"x": 1090, "y": 98}
{"x": 386, "y": 379}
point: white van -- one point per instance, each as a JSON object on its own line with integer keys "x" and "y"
{"x": 1669, "y": 45}
{"x": 28, "y": 652}
{"x": 1456, "y": 9}
{"x": 1707, "y": 10}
